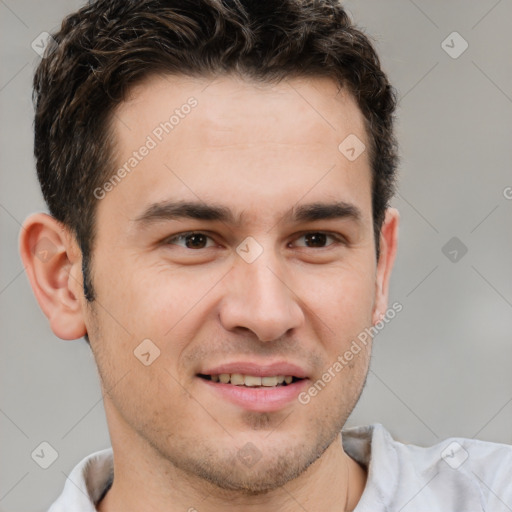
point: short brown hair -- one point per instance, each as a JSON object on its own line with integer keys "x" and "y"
{"x": 108, "y": 46}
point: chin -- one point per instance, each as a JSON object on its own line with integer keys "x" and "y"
{"x": 265, "y": 476}
{"x": 255, "y": 473}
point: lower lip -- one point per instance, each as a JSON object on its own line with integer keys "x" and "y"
{"x": 263, "y": 399}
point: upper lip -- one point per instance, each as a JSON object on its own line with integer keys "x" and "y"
{"x": 257, "y": 370}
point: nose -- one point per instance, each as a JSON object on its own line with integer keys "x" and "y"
{"x": 259, "y": 299}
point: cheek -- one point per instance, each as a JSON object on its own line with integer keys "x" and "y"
{"x": 342, "y": 313}
{"x": 143, "y": 298}
{"x": 344, "y": 293}
{"x": 168, "y": 299}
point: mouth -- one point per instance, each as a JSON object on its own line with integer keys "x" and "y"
{"x": 251, "y": 381}
{"x": 260, "y": 388}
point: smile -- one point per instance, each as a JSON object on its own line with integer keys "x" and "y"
{"x": 266, "y": 388}
{"x": 252, "y": 381}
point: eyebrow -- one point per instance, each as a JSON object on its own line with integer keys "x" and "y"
{"x": 175, "y": 210}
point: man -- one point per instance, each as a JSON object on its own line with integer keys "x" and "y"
{"x": 218, "y": 176}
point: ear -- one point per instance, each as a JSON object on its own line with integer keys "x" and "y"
{"x": 388, "y": 248}
{"x": 53, "y": 264}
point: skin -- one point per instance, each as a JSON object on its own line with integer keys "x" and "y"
{"x": 260, "y": 150}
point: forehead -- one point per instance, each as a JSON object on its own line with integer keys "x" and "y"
{"x": 229, "y": 101}
{"x": 256, "y": 146}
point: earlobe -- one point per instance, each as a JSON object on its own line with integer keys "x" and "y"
{"x": 388, "y": 249}
{"x": 52, "y": 262}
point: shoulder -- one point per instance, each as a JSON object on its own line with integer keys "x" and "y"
{"x": 453, "y": 474}
{"x": 86, "y": 483}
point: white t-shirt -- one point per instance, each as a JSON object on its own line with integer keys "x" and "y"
{"x": 456, "y": 475}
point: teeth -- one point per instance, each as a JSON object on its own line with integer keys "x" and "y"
{"x": 269, "y": 381}
{"x": 251, "y": 380}
{"x": 237, "y": 379}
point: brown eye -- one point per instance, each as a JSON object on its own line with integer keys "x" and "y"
{"x": 317, "y": 239}
{"x": 191, "y": 240}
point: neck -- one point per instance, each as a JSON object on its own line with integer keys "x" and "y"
{"x": 334, "y": 482}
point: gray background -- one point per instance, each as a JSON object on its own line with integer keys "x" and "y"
{"x": 441, "y": 368}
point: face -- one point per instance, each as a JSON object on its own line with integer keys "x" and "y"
{"x": 240, "y": 247}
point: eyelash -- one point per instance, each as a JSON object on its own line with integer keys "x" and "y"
{"x": 337, "y": 238}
